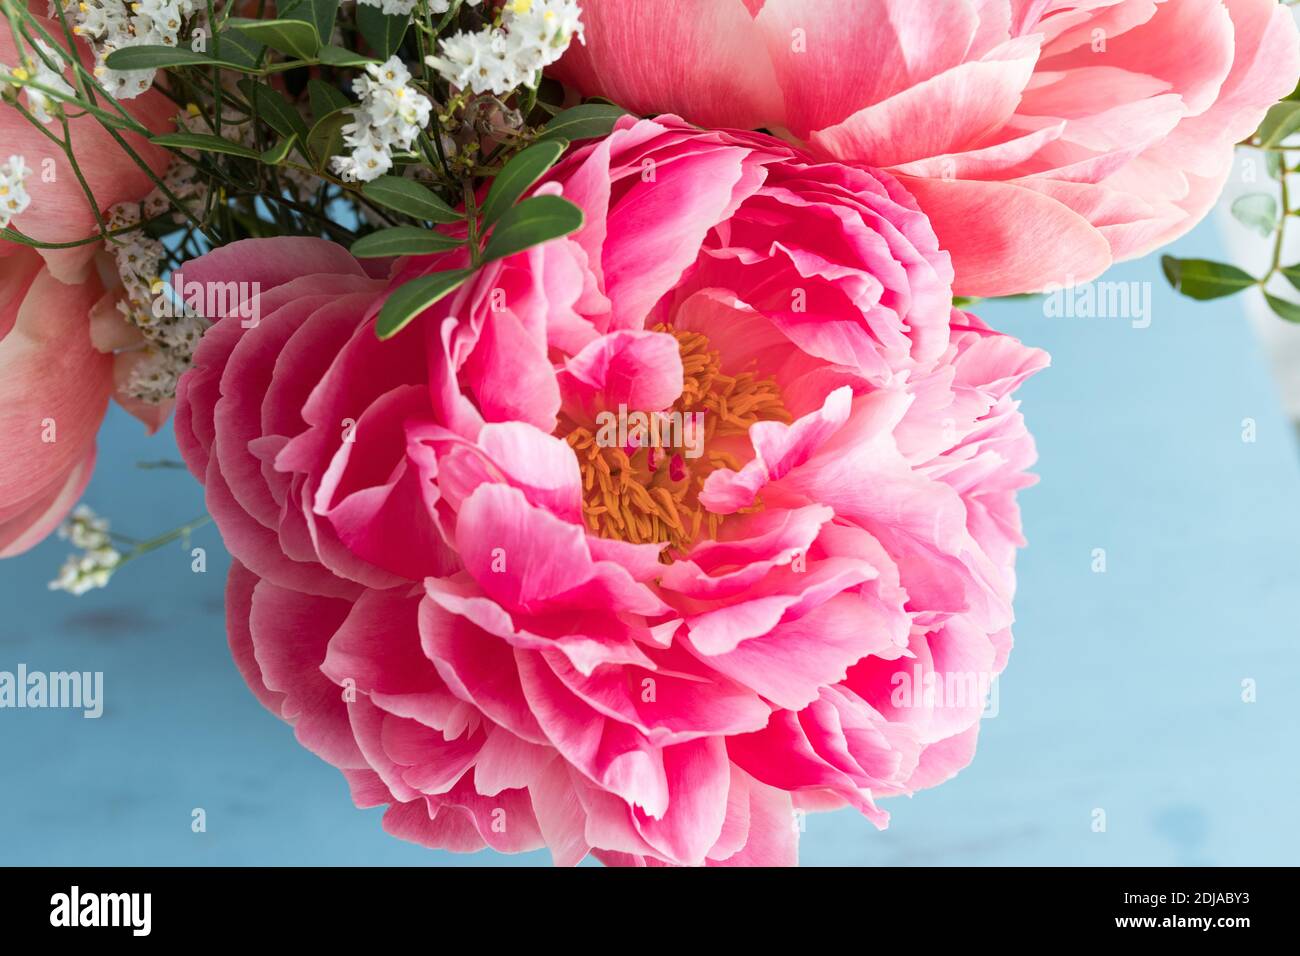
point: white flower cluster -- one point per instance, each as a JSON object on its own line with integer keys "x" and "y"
{"x": 113, "y": 24}
{"x": 34, "y": 69}
{"x": 388, "y": 118}
{"x": 533, "y": 34}
{"x": 13, "y": 188}
{"x": 96, "y": 562}
{"x": 172, "y": 333}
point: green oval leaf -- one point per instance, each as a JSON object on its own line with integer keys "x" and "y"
{"x": 326, "y": 137}
{"x": 321, "y": 14}
{"x": 382, "y": 31}
{"x": 271, "y": 106}
{"x": 294, "y": 37}
{"x": 1257, "y": 211}
{"x": 518, "y": 176}
{"x": 414, "y": 297}
{"x": 534, "y": 221}
{"x": 403, "y": 241}
{"x": 324, "y": 98}
{"x": 238, "y": 49}
{"x": 1279, "y": 122}
{"x": 205, "y": 142}
{"x": 1287, "y": 310}
{"x": 277, "y": 153}
{"x": 1292, "y": 274}
{"x": 337, "y": 56}
{"x": 409, "y": 197}
{"x": 150, "y": 57}
{"x": 587, "y": 121}
{"x": 1203, "y": 279}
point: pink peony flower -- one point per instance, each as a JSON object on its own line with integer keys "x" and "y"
{"x": 1095, "y": 129}
{"x": 516, "y": 625}
{"x": 54, "y": 388}
{"x": 59, "y": 210}
{"x": 58, "y": 322}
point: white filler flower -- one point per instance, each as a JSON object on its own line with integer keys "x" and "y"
{"x": 388, "y": 119}
{"x": 13, "y": 188}
{"x": 533, "y": 34}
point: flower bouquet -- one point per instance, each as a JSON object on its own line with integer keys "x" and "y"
{"x": 589, "y": 392}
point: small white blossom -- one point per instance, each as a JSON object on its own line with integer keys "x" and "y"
{"x": 13, "y": 188}
{"x": 389, "y": 117}
{"x": 110, "y": 25}
{"x": 97, "y": 560}
{"x": 533, "y": 34}
{"x": 34, "y": 69}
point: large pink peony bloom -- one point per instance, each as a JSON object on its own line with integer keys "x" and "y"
{"x": 57, "y": 319}
{"x": 517, "y": 631}
{"x": 1089, "y": 130}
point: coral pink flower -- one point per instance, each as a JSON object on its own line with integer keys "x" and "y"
{"x": 54, "y": 388}
{"x": 516, "y": 626}
{"x": 58, "y": 321}
{"x": 1096, "y": 130}
{"x": 59, "y": 210}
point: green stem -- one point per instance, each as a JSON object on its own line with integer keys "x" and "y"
{"x": 176, "y": 534}
{"x": 1281, "y": 236}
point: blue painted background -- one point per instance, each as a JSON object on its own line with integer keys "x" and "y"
{"x": 1123, "y": 693}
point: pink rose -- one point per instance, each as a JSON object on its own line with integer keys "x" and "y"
{"x": 516, "y": 626}
{"x": 1043, "y": 139}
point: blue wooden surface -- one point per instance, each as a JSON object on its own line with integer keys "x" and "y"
{"x": 1123, "y": 693}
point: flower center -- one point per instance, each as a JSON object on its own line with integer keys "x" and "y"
{"x": 641, "y": 482}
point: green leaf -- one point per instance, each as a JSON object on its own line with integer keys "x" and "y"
{"x": 414, "y": 297}
{"x": 518, "y": 176}
{"x": 1258, "y": 211}
{"x": 271, "y": 106}
{"x": 403, "y": 241}
{"x": 325, "y": 99}
{"x": 1202, "y": 279}
{"x": 239, "y": 49}
{"x": 321, "y": 14}
{"x": 1287, "y": 310}
{"x": 337, "y": 56}
{"x": 326, "y": 137}
{"x": 156, "y": 57}
{"x": 381, "y": 31}
{"x": 583, "y": 122}
{"x": 205, "y": 142}
{"x": 409, "y": 197}
{"x": 294, "y": 37}
{"x": 1292, "y": 274}
{"x": 1280, "y": 121}
{"x": 276, "y": 154}
{"x": 1273, "y": 163}
{"x": 534, "y": 221}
